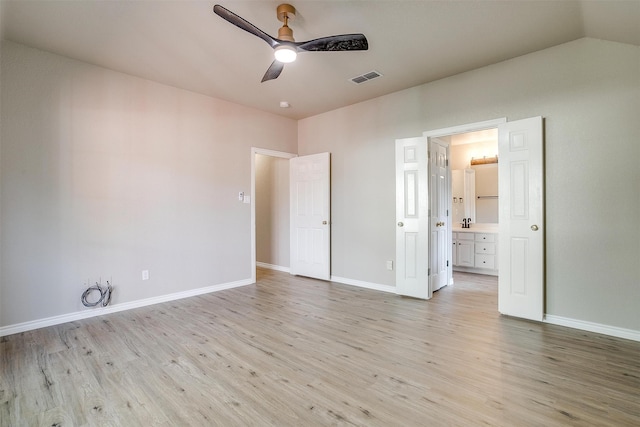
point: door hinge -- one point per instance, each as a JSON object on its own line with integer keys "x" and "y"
{"x": 429, "y": 271}
{"x": 446, "y": 162}
{"x": 447, "y": 263}
{"x": 447, "y": 212}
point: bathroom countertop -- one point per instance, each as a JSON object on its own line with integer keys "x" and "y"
{"x": 476, "y": 228}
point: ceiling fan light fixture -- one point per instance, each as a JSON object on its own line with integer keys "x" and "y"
{"x": 285, "y": 46}
{"x": 285, "y": 54}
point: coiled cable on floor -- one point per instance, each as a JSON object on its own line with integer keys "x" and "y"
{"x": 105, "y": 295}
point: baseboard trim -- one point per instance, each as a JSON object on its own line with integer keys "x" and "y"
{"x": 613, "y": 331}
{"x": 344, "y": 281}
{"x": 85, "y": 314}
{"x": 367, "y": 285}
{"x": 272, "y": 267}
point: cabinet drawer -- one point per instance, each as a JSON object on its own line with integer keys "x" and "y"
{"x": 486, "y": 261}
{"x": 465, "y": 236}
{"x": 485, "y": 237}
{"x": 485, "y": 248}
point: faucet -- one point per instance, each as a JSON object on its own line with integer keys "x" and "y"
{"x": 468, "y": 222}
{"x": 464, "y": 223}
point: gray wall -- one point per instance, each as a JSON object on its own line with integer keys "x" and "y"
{"x": 272, "y": 210}
{"x": 589, "y": 93}
{"x": 104, "y": 175}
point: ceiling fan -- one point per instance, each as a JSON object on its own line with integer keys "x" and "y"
{"x": 285, "y": 46}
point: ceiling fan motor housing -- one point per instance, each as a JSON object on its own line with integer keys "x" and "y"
{"x": 285, "y": 13}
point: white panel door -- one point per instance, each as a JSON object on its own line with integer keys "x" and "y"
{"x": 412, "y": 220}
{"x": 438, "y": 220}
{"x": 310, "y": 216}
{"x": 521, "y": 217}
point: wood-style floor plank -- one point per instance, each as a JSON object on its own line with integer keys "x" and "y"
{"x": 291, "y": 351}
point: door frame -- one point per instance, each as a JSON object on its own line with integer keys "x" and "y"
{"x": 265, "y": 152}
{"x": 465, "y": 128}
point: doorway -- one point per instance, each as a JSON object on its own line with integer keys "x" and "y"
{"x": 521, "y": 213}
{"x": 456, "y": 136}
{"x": 269, "y": 210}
{"x": 474, "y": 201}
{"x": 290, "y": 213}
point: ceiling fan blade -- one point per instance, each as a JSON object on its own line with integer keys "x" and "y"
{"x": 244, "y": 24}
{"x": 342, "y": 42}
{"x": 273, "y": 71}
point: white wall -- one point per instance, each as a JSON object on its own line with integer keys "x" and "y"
{"x": 272, "y": 210}
{"x": 486, "y": 185}
{"x": 104, "y": 175}
{"x": 460, "y": 159}
{"x": 589, "y": 93}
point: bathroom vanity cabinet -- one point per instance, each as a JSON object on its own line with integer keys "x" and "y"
{"x": 475, "y": 252}
{"x": 463, "y": 250}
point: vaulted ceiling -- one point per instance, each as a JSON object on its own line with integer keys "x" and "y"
{"x": 182, "y": 43}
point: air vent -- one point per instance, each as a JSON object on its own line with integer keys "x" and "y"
{"x": 365, "y": 77}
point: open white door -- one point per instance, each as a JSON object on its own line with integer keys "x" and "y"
{"x": 310, "y": 216}
{"x": 439, "y": 231}
{"x": 412, "y": 220}
{"x": 521, "y": 217}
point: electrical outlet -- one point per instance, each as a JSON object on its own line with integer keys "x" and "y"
{"x": 390, "y": 265}
{"x": 145, "y": 274}
{"x": 241, "y": 196}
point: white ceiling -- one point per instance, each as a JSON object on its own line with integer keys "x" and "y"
{"x": 182, "y": 43}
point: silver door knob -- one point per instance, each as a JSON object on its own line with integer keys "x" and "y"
{"x": 534, "y": 227}
{"x": 400, "y": 224}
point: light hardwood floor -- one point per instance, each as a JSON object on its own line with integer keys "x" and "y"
{"x": 291, "y": 351}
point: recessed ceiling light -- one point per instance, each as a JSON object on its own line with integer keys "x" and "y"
{"x": 284, "y": 104}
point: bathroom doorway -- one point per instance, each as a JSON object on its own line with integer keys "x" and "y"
{"x": 519, "y": 241}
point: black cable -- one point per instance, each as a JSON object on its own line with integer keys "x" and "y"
{"x": 105, "y": 295}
